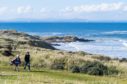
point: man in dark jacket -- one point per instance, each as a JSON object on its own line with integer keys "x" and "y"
{"x": 27, "y": 61}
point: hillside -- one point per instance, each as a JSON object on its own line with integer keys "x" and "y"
{"x": 15, "y": 39}
{"x": 46, "y": 60}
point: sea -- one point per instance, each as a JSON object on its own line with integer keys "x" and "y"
{"x": 110, "y": 37}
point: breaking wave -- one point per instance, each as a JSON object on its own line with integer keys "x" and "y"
{"x": 115, "y": 32}
{"x": 112, "y": 48}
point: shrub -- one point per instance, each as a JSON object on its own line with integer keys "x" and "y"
{"x": 58, "y": 66}
{"x": 22, "y": 42}
{"x": 113, "y": 71}
{"x": 117, "y": 59}
{"x": 75, "y": 69}
{"x": 7, "y": 53}
{"x": 123, "y": 60}
{"x": 38, "y": 63}
{"x": 94, "y": 68}
{"x": 82, "y": 53}
{"x": 97, "y": 68}
{"x": 102, "y": 58}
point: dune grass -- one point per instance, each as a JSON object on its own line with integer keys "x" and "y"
{"x": 42, "y": 74}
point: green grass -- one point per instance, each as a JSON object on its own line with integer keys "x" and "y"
{"x": 45, "y": 76}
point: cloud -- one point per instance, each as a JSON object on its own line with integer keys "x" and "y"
{"x": 24, "y": 9}
{"x": 42, "y": 10}
{"x": 3, "y": 10}
{"x": 92, "y": 11}
{"x": 103, "y": 7}
{"x": 125, "y": 8}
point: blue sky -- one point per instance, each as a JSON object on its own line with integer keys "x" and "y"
{"x": 89, "y": 10}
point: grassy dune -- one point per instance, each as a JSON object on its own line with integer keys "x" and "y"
{"x": 43, "y": 59}
{"x": 42, "y": 74}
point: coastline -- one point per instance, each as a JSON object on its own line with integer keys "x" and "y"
{"x": 108, "y": 47}
{"x": 45, "y": 59}
{"x": 112, "y": 47}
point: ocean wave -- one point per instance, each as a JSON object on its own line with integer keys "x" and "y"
{"x": 124, "y": 42}
{"x": 115, "y": 32}
{"x": 115, "y": 48}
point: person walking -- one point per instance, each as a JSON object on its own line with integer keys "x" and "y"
{"x": 16, "y": 62}
{"x": 27, "y": 61}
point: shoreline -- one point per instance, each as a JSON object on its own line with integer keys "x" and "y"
{"x": 113, "y": 49}
{"x": 68, "y": 43}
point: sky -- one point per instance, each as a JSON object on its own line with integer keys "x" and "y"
{"x": 80, "y": 10}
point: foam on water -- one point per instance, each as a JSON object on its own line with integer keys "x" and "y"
{"x": 113, "y": 48}
{"x": 115, "y": 32}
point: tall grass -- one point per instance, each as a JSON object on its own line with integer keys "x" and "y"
{"x": 45, "y": 58}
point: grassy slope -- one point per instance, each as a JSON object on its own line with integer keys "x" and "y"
{"x": 53, "y": 77}
{"x": 46, "y": 76}
{"x": 41, "y": 57}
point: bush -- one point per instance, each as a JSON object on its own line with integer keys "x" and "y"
{"x": 102, "y": 58}
{"x": 82, "y": 53}
{"x": 123, "y": 60}
{"x": 113, "y": 71}
{"x": 94, "y": 68}
{"x": 7, "y": 53}
{"x": 38, "y": 62}
{"x": 75, "y": 69}
{"x": 58, "y": 66}
{"x": 22, "y": 42}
